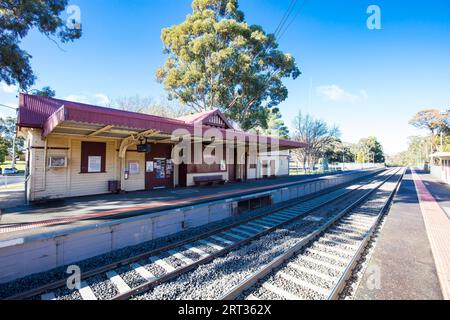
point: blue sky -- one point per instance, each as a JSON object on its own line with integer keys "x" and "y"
{"x": 368, "y": 82}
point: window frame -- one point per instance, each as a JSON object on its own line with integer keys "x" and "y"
{"x": 92, "y": 149}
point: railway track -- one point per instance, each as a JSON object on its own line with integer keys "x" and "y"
{"x": 318, "y": 267}
{"x": 137, "y": 275}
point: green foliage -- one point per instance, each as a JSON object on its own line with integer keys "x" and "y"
{"x": 418, "y": 153}
{"x": 431, "y": 119}
{"x": 16, "y": 20}
{"x": 8, "y": 132}
{"x": 46, "y": 92}
{"x": 369, "y": 150}
{"x": 338, "y": 151}
{"x": 216, "y": 60}
{"x": 4, "y": 147}
{"x": 275, "y": 126}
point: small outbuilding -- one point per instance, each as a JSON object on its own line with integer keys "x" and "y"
{"x": 442, "y": 170}
{"x": 76, "y": 149}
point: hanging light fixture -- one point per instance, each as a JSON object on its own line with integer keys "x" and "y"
{"x": 143, "y": 147}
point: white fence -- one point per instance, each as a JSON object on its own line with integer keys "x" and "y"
{"x": 297, "y": 167}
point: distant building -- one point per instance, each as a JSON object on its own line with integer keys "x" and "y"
{"x": 75, "y": 149}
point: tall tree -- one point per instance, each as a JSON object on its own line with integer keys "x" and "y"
{"x": 46, "y": 92}
{"x": 4, "y": 147}
{"x": 368, "y": 150}
{"x": 217, "y": 60}
{"x": 433, "y": 120}
{"x": 338, "y": 151}
{"x": 8, "y": 132}
{"x": 275, "y": 126}
{"x": 417, "y": 154}
{"x": 317, "y": 135}
{"x": 17, "y": 18}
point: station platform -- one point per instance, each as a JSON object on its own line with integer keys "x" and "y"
{"x": 82, "y": 211}
{"x": 411, "y": 259}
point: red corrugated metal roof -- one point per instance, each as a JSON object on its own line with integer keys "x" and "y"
{"x": 204, "y": 116}
{"x": 47, "y": 113}
{"x": 196, "y": 116}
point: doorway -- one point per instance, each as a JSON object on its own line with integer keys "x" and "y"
{"x": 159, "y": 167}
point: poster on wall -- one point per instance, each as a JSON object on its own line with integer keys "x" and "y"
{"x": 223, "y": 165}
{"x": 94, "y": 164}
{"x": 169, "y": 168}
{"x": 149, "y": 167}
{"x": 57, "y": 161}
{"x": 133, "y": 167}
{"x": 160, "y": 168}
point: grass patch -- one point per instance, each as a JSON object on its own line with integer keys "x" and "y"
{"x": 20, "y": 165}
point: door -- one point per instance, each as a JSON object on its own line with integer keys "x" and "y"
{"x": 265, "y": 169}
{"x": 232, "y": 168}
{"x": 182, "y": 175}
{"x": 232, "y": 172}
{"x": 159, "y": 167}
{"x": 272, "y": 168}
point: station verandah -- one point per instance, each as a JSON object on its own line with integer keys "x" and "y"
{"x": 77, "y": 149}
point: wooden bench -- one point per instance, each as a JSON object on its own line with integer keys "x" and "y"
{"x": 208, "y": 180}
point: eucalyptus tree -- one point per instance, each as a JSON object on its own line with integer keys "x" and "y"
{"x": 17, "y": 18}
{"x": 435, "y": 121}
{"x": 217, "y": 60}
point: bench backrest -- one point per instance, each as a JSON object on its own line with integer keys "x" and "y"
{"x": 208, "y": 178}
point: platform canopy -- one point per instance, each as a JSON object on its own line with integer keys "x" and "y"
{"x": 441, "y": 155}
{"x": 55, "y": 116}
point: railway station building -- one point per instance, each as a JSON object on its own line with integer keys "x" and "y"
{"x": 76, "y": 149}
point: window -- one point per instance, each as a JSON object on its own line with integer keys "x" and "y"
{"x": 93, "y": 157}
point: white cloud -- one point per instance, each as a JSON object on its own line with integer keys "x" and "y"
{"x": 96, "y": 99}
{"x": 102, "y": 99}
{"x": 9, "y": 89}
{"x": 336, "y": 94}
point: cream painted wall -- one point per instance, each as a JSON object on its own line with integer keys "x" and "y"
{"x": 135, "y": 182}
{"x": 50, "y": 183}
{"x": 281, "y": 163}
{"x": 69, "y": 182}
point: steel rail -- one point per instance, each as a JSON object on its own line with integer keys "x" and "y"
{"x": 174, "y": 274}
{"x": 250, "y": 281}
{"x": 121, "y": 263}
{"x": 337, "y": 290}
